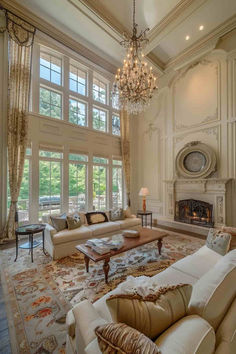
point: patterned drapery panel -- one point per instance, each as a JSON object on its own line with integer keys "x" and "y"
{"x": 125, "y": 148}
{"x": 21, "y": 36}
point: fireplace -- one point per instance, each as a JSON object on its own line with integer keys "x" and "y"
{"x": 196, "y": 212}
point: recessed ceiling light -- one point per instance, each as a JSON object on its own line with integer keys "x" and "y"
{"x": 201, "y": 28}
{"x": 187, "y": 38}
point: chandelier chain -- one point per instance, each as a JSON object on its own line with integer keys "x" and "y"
{"x": 133, "y": 13}
{"x": 135, "y": 82}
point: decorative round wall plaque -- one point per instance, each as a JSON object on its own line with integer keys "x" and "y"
{"x": 195, "y": 160}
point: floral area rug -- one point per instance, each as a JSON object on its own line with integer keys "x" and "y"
{"x": 39, "y": 295}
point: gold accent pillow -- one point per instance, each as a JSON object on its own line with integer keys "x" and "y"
{"x": 119, "y": 338}
{"x": 153, "y": 313}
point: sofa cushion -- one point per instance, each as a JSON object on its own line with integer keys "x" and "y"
{"x": 96, "y": 217}
{"x": 198, "y": 263}
{"x": 218, "y": 241}
{"x": 226, "y": 333}
{"x": 214, "y": 292}
{"x": 116, "y": 338}
{"x": 191, "y": 334}
{"x": 232, "y": 232}
{"x": 153, "y": 313}
{"x": 128, "y": 222}
{"x": 104, "y": 228}
{"x": 83, "y": 232}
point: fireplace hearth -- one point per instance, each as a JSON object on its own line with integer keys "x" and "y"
{"x": 196, "y": 212}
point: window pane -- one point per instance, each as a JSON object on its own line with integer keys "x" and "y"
{"x": 50, "y": 103}
{"x": 77, "y": 187}
{"x": 99, "y": 120}
{"x": 77, "y": 80}
{"x": 100, "y": 160}
{"x": 115, "y": 125}
{"x": 55, "y": 78}
{"x": 117, "y": 162}
{"x": 99, "y": 91}
{"x": 117, "y": 187}
{"x": 99, "y": 187}
{"x": 115, "y": 101}
{"x": 78, "y": 157}
{"x": 50, "y": 68}
{"x": 44, "y": 73}
{"x": 23, "y": 200}
{"x": 77, "y": 112}
{"x": 50, "y": 154}
{"x": 49, "y": 188}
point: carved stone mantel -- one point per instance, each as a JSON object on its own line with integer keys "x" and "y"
{"x": 212, "y": 190}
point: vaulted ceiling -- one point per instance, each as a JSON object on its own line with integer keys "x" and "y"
{"x": 99, "y": 25}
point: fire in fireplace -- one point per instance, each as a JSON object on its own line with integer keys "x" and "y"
{"x": 195, "y": 212}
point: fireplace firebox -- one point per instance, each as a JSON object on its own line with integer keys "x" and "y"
{"x": 197, "y": 212}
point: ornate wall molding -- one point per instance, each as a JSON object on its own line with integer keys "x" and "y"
{"x": 215, "y": 65}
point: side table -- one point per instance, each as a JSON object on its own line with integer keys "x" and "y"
{"x": 144, "y": 216}
{"x": 29, "y": 230}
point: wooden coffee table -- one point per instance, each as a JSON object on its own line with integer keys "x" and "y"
{"x": 146, "y": 236}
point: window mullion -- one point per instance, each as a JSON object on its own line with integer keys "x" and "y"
{"x": 65, "y": 83}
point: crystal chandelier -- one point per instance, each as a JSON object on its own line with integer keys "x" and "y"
{"x": 134, "y": 83}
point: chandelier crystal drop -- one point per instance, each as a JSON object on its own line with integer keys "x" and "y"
{"x": 134, "y": 82}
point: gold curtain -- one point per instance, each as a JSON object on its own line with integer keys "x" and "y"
{"x": 21, "y": 36}
{"x": 125, "y": 149}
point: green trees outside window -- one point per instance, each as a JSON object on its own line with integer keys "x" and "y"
{"x": 99, "y": 119}
{"x": 49, "y": 187}
{"x": 50, "y": 103}
{"x": 77, "y": 112}
{"x": 77, "y": 186}
{"x": 99, "y": 187}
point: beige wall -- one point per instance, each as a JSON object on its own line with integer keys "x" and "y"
{"x": 197, "y": 102}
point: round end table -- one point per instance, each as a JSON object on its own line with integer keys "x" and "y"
{"x": 29, "y": 230}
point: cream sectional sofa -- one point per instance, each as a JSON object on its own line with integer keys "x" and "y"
{"x": 61, "y": 244}
{"x": 210, "y": 324}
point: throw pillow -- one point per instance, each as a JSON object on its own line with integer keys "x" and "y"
{"x": 232, "y": 232}
{"x": 218, "y": 241}
{"x": 127, "y": 213}
{"x": 73, "y": 221}
{"x": 117, "y": 214}
{"x": 116, "y": 338}
{"x": 96, "y": 217}
{"x": 154, "y": 313}
{"x": 59, "y": 222}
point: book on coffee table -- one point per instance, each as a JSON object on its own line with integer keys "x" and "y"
{"x": 104, "y": 245}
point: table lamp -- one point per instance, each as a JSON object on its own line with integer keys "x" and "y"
{"x": 143, "y": 193}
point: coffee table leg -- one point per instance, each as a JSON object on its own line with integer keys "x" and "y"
{"x": 86, "y": 259}
{"x": 159, "y": 244}
{"x": 106, "y": 269}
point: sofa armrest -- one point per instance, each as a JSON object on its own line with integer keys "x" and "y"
{"x": 50, "y": 231}
{"x": 86, "y": 319}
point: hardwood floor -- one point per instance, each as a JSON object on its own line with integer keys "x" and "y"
{"x": 5, "y": 346}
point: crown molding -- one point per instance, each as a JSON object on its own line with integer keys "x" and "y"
{"x": 58, "y": 35}
{"x": 202, "y": 46}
